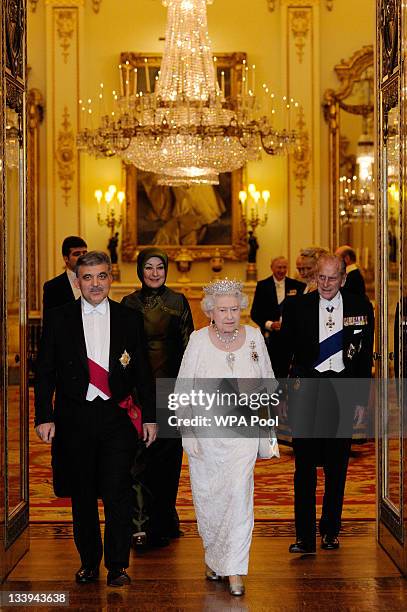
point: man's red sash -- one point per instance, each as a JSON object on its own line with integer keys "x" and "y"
{"x": 99, "y": 377}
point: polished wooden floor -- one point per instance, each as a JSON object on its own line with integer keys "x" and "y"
{"x": 359, "y": 576}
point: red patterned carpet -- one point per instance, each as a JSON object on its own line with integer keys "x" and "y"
{"x": 273, "y": 487}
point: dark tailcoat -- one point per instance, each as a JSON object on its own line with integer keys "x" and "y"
{"x": 355, "y": 282}
{"x": 319, "y": 404}
{"x": 62, "y": 368}
{"x": 57, "y": 292}
{"x": 95, "y": 443}
{"x": 266, "y": 308}
{"x": 300, "y": 335}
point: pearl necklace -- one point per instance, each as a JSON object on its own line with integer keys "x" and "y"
{"x": 230, "y": 357}
{"x": 226, "y": 341}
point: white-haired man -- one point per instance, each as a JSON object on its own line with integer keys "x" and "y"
{"x": 328, "y": 340}
{"x": 270, "y": 296}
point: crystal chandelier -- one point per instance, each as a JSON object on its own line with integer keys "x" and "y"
{"x": 187, "y": 130}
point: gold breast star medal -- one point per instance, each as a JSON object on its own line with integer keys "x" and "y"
{"x": 125, "y": 359}
{"x": 330, "y": 323}
{"x": 254, "y": 354}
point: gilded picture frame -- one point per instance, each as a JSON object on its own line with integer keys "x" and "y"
{"x": 202, "y": 218}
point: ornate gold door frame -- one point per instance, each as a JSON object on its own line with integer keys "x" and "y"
{"x": 391, "y": 292}
{"x": 13, "y": 299}
{"x": 349, "y": 73}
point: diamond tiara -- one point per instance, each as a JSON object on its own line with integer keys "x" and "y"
{"x": 223, "y": 287}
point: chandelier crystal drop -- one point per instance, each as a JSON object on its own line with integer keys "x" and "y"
{"x": 186, "y": 130}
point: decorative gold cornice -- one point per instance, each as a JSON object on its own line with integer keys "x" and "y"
{"x": 65, "y": 23}
{"x": 302, "y": 157}
{"x": 65, "y": 155}
{"x": 300, "y": 26}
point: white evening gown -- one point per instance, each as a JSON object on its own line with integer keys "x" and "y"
{"x": 222, "y": 479}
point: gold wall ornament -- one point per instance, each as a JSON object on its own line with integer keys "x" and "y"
{"x": 300, "y": 25}
{"x": 65, "y": 156}
{"x": 96, "y": 5}
{"x": 302, "y": 158}
{"x": 33, "y": 4}
{"x": 66, "y": 25}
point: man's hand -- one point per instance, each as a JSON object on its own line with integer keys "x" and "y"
{"x": 360, "y": 412}
{"x": 45, "y": 431}
{"x": 149, "y": 433}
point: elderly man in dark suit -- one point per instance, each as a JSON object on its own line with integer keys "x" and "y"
{"x": 62, "y": 289}
{"x": 269, "y": 299}
{"x": 355, "y": 282}
{"x": 328, "y": 340}
{"x": 93, "y": 357}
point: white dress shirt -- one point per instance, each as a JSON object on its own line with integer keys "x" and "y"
{"x": 71, "y": 277}
{"x": 96, "y": 327}
{"x": 335, "y": 362}
{"x": 280, "y": 289}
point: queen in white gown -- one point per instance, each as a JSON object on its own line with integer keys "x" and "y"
{"x": 221, "y": 468}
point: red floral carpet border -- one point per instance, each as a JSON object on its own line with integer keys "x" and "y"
{"x": 273, "y": 497}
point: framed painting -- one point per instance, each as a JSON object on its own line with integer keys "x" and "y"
{"x": 201, "y": 218}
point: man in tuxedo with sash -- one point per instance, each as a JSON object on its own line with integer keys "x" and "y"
{"x": 93, "y": 357}
{"x": 328, "y": 340}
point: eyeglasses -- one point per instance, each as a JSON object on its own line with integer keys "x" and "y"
{"x": 330, "y": 279}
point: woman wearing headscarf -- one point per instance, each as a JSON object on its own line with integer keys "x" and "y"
{"x": 167, "y": 326}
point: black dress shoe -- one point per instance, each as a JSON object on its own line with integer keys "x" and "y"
{"x": 329, "y": 542}
{"x": 85, "y": 575}
{"x": 117, "y": 578}
{"x": 302, "y": 548}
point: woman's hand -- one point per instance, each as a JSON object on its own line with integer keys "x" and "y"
{"x": 190, "y": 446}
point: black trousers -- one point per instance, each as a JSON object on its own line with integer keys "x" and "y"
{"x": 322, "y": 421}
{"x": 157, "y": 488}
{"x": 333, "y": 455}
{"x": 102, "y": 449}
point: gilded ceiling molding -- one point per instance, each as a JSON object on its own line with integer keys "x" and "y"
{"x": 65, "y": 156}
{"x": 65, "y": 22}
{"x": 300, "y": 27}
{"x": 302, "y": 157}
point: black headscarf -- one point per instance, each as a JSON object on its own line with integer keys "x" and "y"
{"x": 142, "y": 259}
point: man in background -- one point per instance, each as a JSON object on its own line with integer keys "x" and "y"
{"x": 62, "y": 289}
{"x": 354, "y": 279}
{"x": 269, "y": 299}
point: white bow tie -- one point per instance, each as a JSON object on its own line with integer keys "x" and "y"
{"x": 99, "y": 309}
